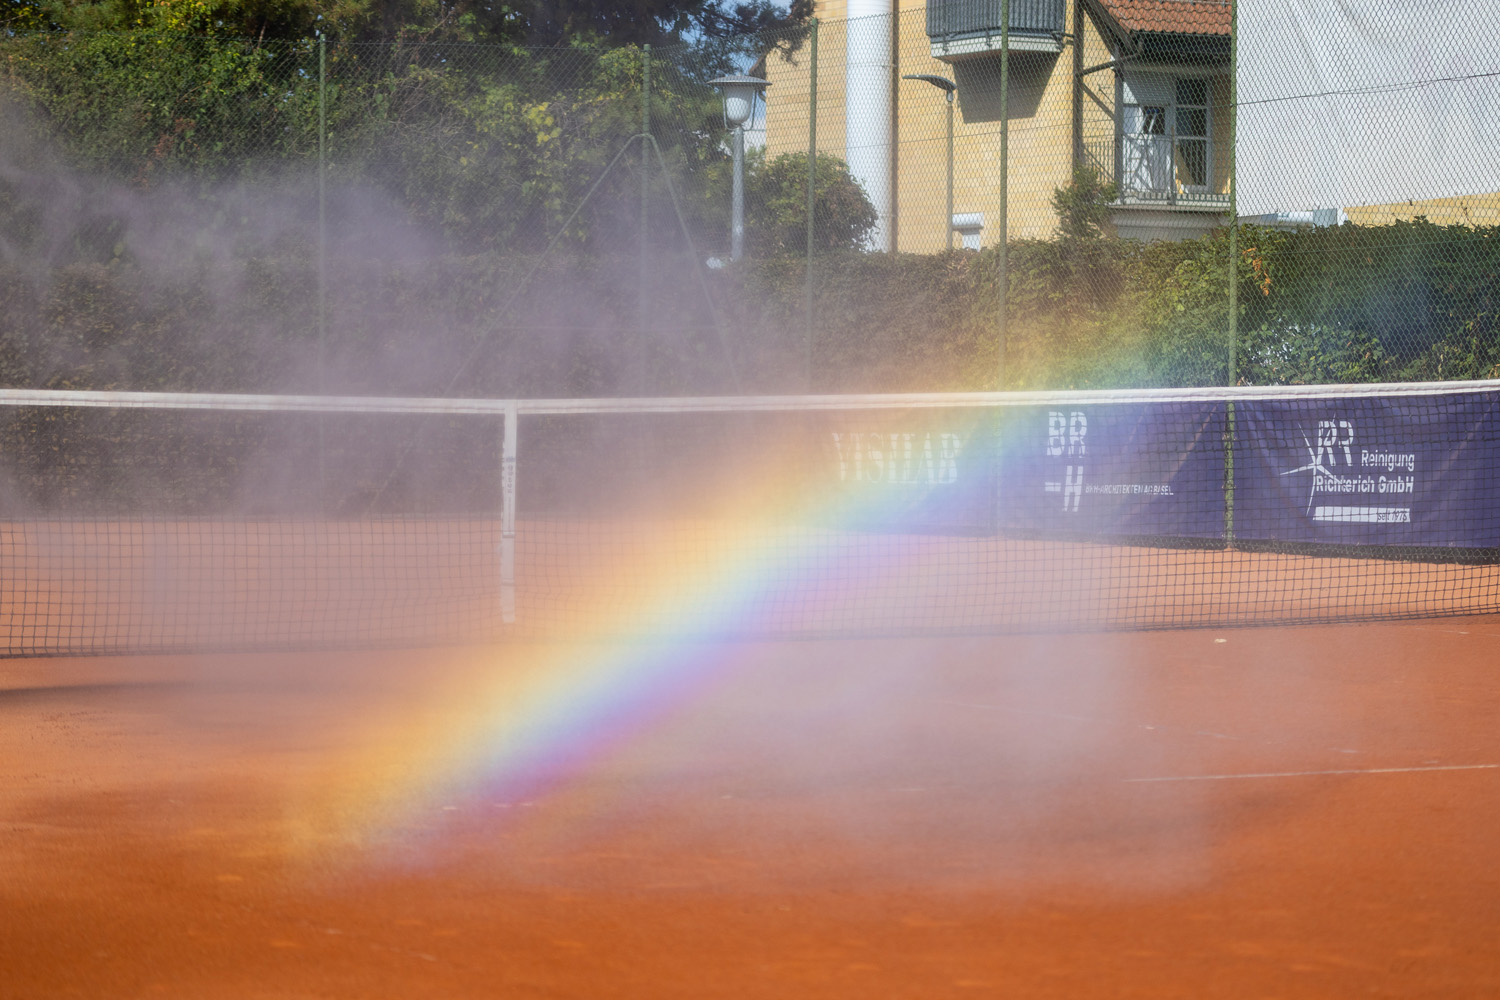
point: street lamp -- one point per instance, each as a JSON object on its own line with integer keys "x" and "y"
{"x": 947, "y": 86}
{"x": 739, "y": 92}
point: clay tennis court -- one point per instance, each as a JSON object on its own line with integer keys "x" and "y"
{"x": 1252, "y": 812}
{"x": 105, "y": 585}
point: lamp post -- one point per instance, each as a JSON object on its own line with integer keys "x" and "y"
{"x": 739, "y": 92}
{"x": 947, "y": 86}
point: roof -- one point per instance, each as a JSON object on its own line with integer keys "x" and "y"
{"x": 1175, "y": 17}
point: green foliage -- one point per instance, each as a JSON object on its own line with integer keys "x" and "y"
{"x": 495, "y": 147}
{"x": 20, "y": 15}
{"x": 776, "y": 200}
{"x": 136, "y": 105}
{"x": 1143, "y": 314}
{"x": 889, "y": 323}
{"x": 521, "y": 22}
{"x": 1405, "y": 301}
{"x": 652, "y": 22}
{"x": 496, "y": 153}
{"x": 502, "y": 158}
{"x": 1311, "y": 354}
{"x": 1082, "y": 205}
{"x": 1068, "y": 308}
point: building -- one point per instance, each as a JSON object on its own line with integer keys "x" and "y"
{"x": 1138, "y": 90}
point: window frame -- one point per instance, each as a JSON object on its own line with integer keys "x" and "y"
{"x": 1171, "y": 76}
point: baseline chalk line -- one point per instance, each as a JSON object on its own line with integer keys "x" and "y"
{"x": 1308, "y": 774}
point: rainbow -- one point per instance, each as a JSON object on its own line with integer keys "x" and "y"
{"x": 524, "y": 717}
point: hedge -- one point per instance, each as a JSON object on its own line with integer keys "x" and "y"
{"x": 158, "y": 294}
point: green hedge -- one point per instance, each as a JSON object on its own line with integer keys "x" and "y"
{"x": 235, "y": 308}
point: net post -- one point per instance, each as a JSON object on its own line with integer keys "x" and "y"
{"x": 508, "y": 515}
{"x": 1234, "y": 274}
{"x": 1234, "y": 219}
{"x": 1003, "y": 277}
{"x": 812, "y": 180}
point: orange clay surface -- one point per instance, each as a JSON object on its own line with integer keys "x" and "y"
{"x": 932, "y": 818}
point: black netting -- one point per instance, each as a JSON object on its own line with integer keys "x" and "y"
{"x": 131, "y": 528}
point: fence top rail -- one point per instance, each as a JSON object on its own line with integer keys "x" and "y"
{"x": 251, "y": 402}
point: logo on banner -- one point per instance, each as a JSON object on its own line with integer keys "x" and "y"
{"x": 1067, "y": 444}
{"x": 1065, "y": 439}
{"x": 902, "y": 459}
{"x": 1343, "y": 472}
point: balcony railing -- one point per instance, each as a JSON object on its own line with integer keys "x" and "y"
{"x": 1033, "y": 24}
{"x": 1147, "y": 173}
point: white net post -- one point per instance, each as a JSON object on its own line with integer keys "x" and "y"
{"x": 508, "y": 515}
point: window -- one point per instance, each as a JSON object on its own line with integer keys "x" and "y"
{"x": 1164, "y": 135}
{"x": 1192, "y": 134}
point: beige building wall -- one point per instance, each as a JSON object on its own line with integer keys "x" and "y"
{"x": 1097, "y": 98}
{"x": 1469, "y": 210}
{"x": 1041, "y": 135}
{"x": 1041, "y": 124}
{"x": 793, "y": 77}
{"x": 1040, "y": 149}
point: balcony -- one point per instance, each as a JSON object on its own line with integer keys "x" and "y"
{"x": 959, "y": 29}
{"x": 1151, "y": 175}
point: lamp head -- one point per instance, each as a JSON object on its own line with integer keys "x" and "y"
{"x": 941, "y": 82}
{"x": 739, "y": 93}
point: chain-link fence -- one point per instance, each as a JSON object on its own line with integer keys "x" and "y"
{"x": 206, "y": 213}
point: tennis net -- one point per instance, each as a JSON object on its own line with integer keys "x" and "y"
{"x": 139, "y": 522}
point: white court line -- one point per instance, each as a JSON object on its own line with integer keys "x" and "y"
{"x": 1456, "y": 631}
{"x": 1085, "y": 718}
{"x": 1305, "y": 774}
{"x": 1021, "y": 711}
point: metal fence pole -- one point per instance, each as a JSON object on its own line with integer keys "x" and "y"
{"x": 737, "y": 194}
{"x": 322, "y": 263}
{"x": 1004, "y": 186}
{"x": 948, "y": 218}
{"x": 322, "y": 211}
{"x": 643, "y": 300}
{"x": 1234, "y": 219}
{"x": 895, "y": 148}
{"x": 812, "y": 181}
{"x": 1234, "y": 275}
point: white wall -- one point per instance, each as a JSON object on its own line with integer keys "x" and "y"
{"x": 867, "y": 108}
{"x": 1361, "y": 102}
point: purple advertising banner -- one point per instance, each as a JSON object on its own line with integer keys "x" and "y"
{"x": 1114, "y": 470}
{"x": 1380, "y": 471}
{"x": 912, "y": 473}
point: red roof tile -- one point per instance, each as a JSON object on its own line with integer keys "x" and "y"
{"x": 1178, "y": 17}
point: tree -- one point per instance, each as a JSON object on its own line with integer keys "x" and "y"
{"x": 18, "y": 15}
{"x": 776, "y": 205}
{"x": 651, "y": 22}
{"x": 138, "y": 105}
{"x": 1082, "y": 205}
{"x": 523, "y": 22}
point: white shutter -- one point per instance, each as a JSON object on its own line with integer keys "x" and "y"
{"x": 1149, "y": 88}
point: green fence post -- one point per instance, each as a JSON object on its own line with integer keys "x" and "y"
{"x": 643, "y": 303}
{"x": 322, "y": 262}
{"x": 1004, "y": 186}
{"x": 812, "y": 180}
{"x": 322, "y": 210}
{"x": 1234, "y": 274}
{"x": 893, "y": 227}
{"x": 1234, "y": 218}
